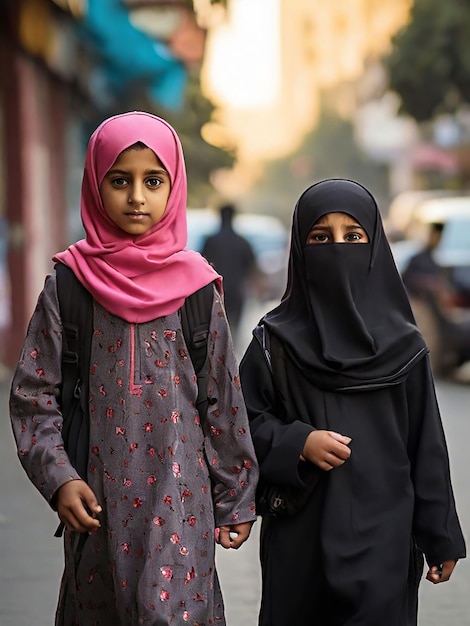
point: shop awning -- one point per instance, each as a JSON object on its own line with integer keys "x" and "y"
{"x": 131, "y": 58}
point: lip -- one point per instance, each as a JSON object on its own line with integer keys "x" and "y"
{"x": 136, "y": 216}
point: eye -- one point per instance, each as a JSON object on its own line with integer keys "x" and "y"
{"x": 355, "y": 237}
{"x": 118, "y": 182}
{"x": 154, "y": 182}
{"x": 317, "y": 237}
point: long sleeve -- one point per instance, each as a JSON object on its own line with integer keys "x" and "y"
{"x": 34, "y": 409}
{"x": 436, "y": 524}
{"x": 278, "y": 445}
{"x": 228, "y": 446}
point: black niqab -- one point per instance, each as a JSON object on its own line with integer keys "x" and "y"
{"x": 345, "y": 319}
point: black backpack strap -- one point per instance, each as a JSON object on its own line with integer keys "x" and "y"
{"x": 260, "y": 333}
{"x": 76, "y": 311}
{"x": 195, "y": 322}
{"x": 275, "y": 356}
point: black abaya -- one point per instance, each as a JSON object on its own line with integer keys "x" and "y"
{"x": 346, "y": 347}
{"x": 348, "y": 557}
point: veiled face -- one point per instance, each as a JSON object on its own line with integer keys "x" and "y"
{"x": 336, "y": 228}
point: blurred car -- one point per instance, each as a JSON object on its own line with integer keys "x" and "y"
{"x": 405, "y": 205}
{"x": 446, "y": 330}
{"x": 453, "y": 250}
{"x": 267, "y": 236}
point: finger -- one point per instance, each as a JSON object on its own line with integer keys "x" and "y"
{"x": 81, "y": 518}
{"x": 333, "y": 460}
{"x": 339, "y": 437}
{"x": 90, "y": 500}
{"x": 238, "y": 535}
{"x": 434, "y": 574}
{"x": 72, "y": 523}
{"x": 237, "y": 542}
{"x": 341, "y": 452}
{"x": 224, "y": 537}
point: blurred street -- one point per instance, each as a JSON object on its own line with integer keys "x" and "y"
{"x": 31, "y": 558}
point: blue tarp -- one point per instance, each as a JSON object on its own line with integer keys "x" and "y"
{"x": 131, "y": 57}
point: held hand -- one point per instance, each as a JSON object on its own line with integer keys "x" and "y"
{"x": 327, "y": 449}
{"x": 436, "y": 576}
{"x": 74, "y": 500}
{"x": 233, "y": 536}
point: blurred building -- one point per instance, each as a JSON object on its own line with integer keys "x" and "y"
{"x": 321, "y": 52}
{"x": 67, "y": 65}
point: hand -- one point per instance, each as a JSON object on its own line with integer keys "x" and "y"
{"x": 435, "y": 577}
{"x": 327, "y": 449}
{"x": 242, "y": 532}
{"x": 72, "y": 498}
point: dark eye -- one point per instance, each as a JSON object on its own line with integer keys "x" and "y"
{"x": 317, "y": 238}
{"x": 119, "y": 182}
{"x": 154, "y": 182}
{"x": 356, "y": 237}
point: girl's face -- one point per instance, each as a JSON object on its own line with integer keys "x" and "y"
{"x": 336, "y": 228}
{"x": 135, "y": 191}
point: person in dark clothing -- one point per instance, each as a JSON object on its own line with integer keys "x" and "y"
{"x": 233, "y": 257}
{"x": 348, "y": 395}
{"x": 423, "y": 276}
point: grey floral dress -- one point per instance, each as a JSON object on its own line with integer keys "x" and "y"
{"x": 165, "y": 479}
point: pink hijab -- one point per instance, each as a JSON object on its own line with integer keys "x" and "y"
{"x": 138, "y": 278}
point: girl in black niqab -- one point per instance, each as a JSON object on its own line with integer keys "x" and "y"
{"x": 349, "y": 396}
{"x": 345, "y": 316}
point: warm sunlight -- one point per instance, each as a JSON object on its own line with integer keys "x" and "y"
{"x": 243, "y": 55}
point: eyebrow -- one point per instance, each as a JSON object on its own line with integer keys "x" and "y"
{"x": 158, "y": 172}
{"x": 346, "y": 226}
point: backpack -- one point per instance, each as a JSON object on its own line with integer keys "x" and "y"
{"x": 76, "y": 311}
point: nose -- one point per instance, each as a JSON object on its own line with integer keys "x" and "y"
{"x": 136, "y": 195}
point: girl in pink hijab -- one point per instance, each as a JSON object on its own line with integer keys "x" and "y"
{"x": 160, "y": 478}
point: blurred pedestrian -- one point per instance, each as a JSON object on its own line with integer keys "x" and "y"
{"x": 140, "y": 526}
{"x": 423, "y": 276}
{"x": 233, "y": 257}
{"x": 345, "y": 411}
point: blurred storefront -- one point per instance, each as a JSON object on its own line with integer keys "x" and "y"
{"x": 67, "y": 65}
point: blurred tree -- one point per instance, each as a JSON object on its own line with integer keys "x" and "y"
{"x": 429, "y": 66}
{"x": 329, "y": 151}
{"x": 201, "y": 157}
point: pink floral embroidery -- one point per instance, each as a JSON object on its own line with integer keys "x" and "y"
{"x": 167, "y": 572}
